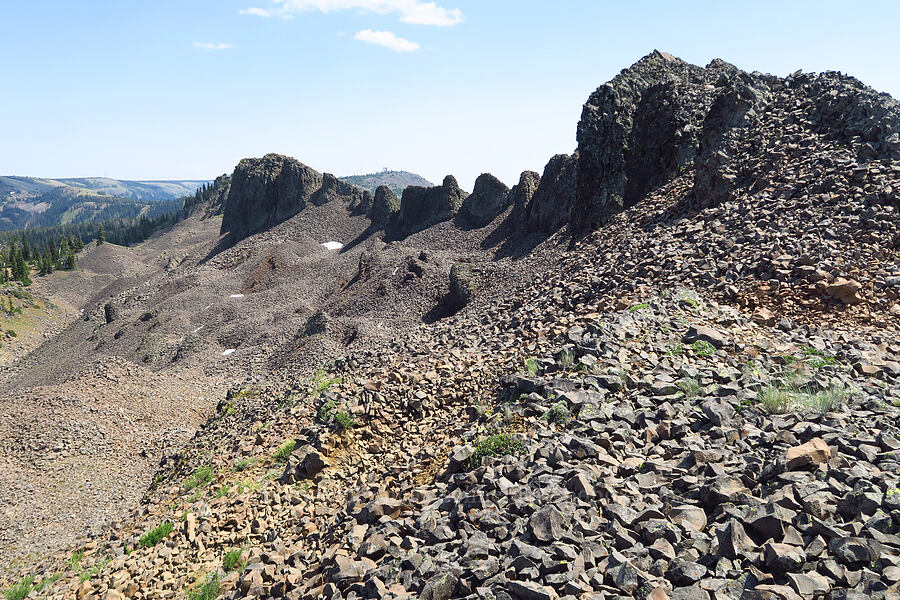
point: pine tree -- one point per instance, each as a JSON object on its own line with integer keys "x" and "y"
{"x": 100, "y": 235}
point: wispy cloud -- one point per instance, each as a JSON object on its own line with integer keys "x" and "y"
{"x": 414, "y": 12}
{"x": 209, "y": 46}
{"x": 255, "y": 11}
{"x": 386, "y": 39}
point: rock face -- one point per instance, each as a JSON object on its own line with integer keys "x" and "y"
{"x": 662, "y": 115}
{"x": 521, "y": 194}
{"x": 421, "y": 207}
{"x": 489, "y": 198}
{"x": 552, "y": 201}
{"x": 385, "y": 206}
{"x": 266, "y": 191}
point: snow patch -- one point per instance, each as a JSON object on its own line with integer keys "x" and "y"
{"x": 229, "y": 351}
{"x": 236, "y": 296}
{"x": 198, "y": 329}
{"x": 332, "y": 245}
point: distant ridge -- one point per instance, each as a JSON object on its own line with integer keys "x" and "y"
{"x": 22, "y": 188}
{"x": 397, "y": 181}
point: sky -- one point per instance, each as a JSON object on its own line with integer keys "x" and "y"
{"x": 183, "y": 89}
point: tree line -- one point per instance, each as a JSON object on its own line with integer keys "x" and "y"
{"x": 47, "y": 249}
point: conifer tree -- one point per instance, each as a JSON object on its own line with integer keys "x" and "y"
{"x": 101, "y": 237}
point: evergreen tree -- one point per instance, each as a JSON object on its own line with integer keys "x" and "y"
{"x": 101, "y": 237}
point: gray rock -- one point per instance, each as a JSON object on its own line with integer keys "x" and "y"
{"x": 421, "y": 207}
{"x": 489, "y": 198}
{"x": 547, "y": 524}
{"x": 385, "y": 206}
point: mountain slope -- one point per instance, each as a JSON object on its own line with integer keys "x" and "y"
{"x": 666, "y": 368}
{"x": 13, "y": 187}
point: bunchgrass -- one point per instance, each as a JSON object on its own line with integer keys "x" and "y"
{"x": 784, "y": 398}
{"x": 284, "y": 450}
{"x": 199, "y": 478}
{"x": 208, "y": 589}
{"x": 20, "y": 589}
{"x": 155, "y": 535}
{"x": 690, "y": 386}
{"x": 231, "y": 561}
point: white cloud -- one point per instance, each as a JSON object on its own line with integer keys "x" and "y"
{"x": 386, "y": 39}
{"x": 414, "y": 12}
{"x": 255, "y": 11}
{"x": 209, "y": 46}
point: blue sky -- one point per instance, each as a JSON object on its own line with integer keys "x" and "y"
{"x": 170, "y": 89}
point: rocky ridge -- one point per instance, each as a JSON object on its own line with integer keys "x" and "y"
{"x": 698, "y": 400}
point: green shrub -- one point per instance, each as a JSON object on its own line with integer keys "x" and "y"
{"x": 321, "y": 382}
{"x": 200, "y": 477}
{"x": 155, "y": 535}
{"x": 690, "y": 386}
{"x": 208, "y": 590}
{"x": 531, "y": 365}
{"x": 284, "y": 450}
{"x": 344, "y": 420}
{"x": 703, "y": 348}
{"x": 500, "y": 444}
{"x": 93, "y": 571}
{"x": 232, "y": 560}
{"x": 557, "y": 414}
{"x": 242, "y": 464}
{"x": 20, "y": 589}
{"x": 638, "y": 307}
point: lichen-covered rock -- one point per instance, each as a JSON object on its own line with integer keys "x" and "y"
{"x": 421, "y": 207}
{"x": 462, "y": 284}
{"x": 489, "y": 198}
{"x": 385, "y": 206}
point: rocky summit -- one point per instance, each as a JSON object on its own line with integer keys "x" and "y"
{"x": 665, "y": 368}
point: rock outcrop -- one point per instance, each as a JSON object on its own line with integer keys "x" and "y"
{"x": 521, "y": 194}
{"x": 662, "y": 116}
{"x": 385, "y": 206}
{"x": 421, "y": 207}
{"x": 266, "y": 191}
{"x": 488, "y": 199}
{"x": 552, "y": 201}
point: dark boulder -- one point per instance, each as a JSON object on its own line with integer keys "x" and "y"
{"x": 489, "y": 198}
{"x": 422, "y": 207}
{"x": 462, "y": 284}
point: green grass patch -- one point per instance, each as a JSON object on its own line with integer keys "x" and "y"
{"x": 231, "y": 561}
{"x": 155, "y": 535}
{"x": 690, "y": 386}
{"x": 93, "y": 571}
{"x": 200, "y": 477}
{"x": 558, "y": 414}
{"x": 207, "y": 590}
{"x": 321, "y": 382}
{"x": 20, "y": 589}
{"x": 284, "y": 450}
{"x": 242, "y": 464}
{"x": 500, "y": 444}
{"x": 532, "y": 366}
{"x": 786, "y": 398}
{"x": 703, "y": 348}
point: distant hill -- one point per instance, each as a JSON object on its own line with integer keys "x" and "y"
{"x": 29, "y": 202}
{"x": 18, "y": 188}
{"x": 396, "y": 180}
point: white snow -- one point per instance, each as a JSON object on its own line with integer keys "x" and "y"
{"x": 236, "y": 296}
{"x": 198, "y": 329}
{"x": 332, "y": 245}
{"x": 229, "y": 351}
